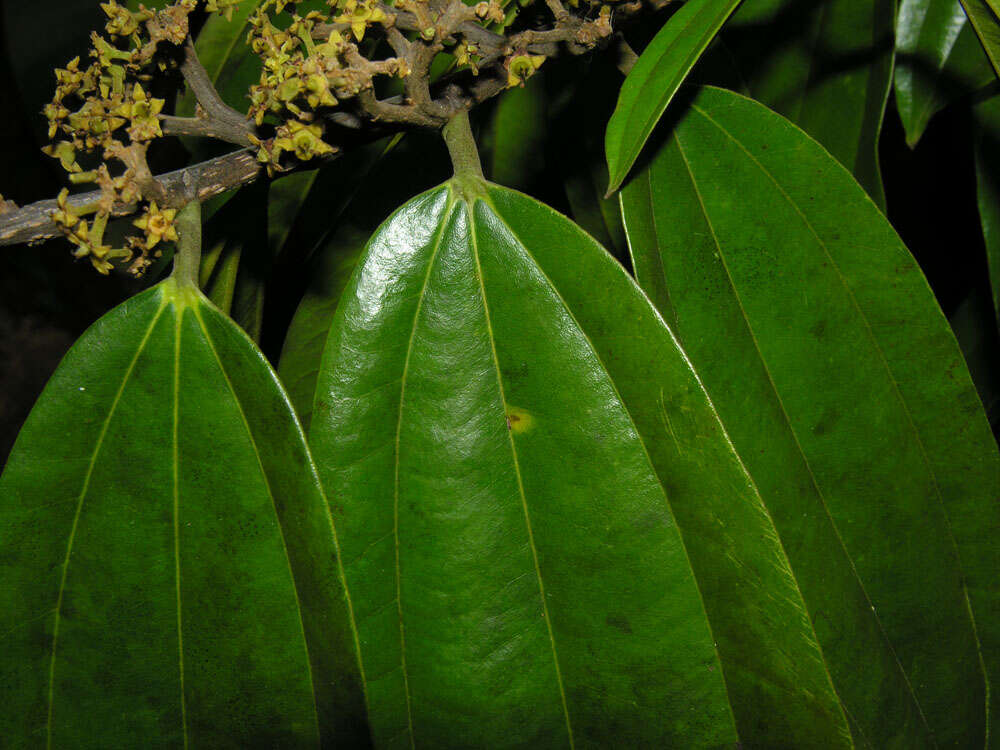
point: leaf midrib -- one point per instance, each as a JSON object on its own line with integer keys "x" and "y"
{"x": 517, "y": 471}
{"x": 628, "y": 414}
{"x": 176, "y": 516}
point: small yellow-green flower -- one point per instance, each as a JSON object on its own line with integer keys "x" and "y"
{"x": 521, "y": 67}
{"x": 157, "y": 224}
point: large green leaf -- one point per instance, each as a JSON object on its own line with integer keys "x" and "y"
{"x": 842, "y": 387}
{"x": 826, "y": 66}
{"x": 658, "y": 73}
{"x": 169, "y": 566}
{"x": 938, "y": 59}
{"x": 558, "y": 543}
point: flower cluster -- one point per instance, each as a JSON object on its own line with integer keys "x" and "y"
{"x": 102, "y": 114}
{"x": 354, "y": 63}
{"x": 310, "y": 63}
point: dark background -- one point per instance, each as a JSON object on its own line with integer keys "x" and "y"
{"x": 47, "y": 299}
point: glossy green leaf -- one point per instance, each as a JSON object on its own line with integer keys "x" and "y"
{"x": 843, "y": 389}
{"x": 987, "y": 155}
{"x": 658, "y": 73}
{"x": 938, "y": 60}
{"x": 170, "y": 570}
{"x": 986, "y": 24}
{"x": 826, "y": 66}
{"x": 558, "y": 543}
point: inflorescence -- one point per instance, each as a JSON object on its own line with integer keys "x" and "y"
{"x": 316, "y": 67}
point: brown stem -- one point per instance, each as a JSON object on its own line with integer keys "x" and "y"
{"x": 218, "y": 116}
{"x": 206, "y": 127}
{"x": 33, "y": 222}
{"x": 425, "y": 106}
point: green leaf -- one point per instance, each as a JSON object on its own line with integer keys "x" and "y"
{"x": 557, "y": 542}
{"x": 844, "y": 391}
{"x": 987, "y": 157}
{"x": 658, "y": 73}
{"x": 986, "y": 24}
{"x": 938, "y": 60}
{"x": 826, "y": 66}
{"x": 170, "y": 569}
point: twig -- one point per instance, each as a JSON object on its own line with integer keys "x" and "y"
{"x": 423, "y": 106}
{"x": 220, "y": 120}
{"x": 33, "y": 223}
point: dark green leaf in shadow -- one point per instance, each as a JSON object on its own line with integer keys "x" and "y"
{"x": 826, "y": 66}
{"x": 237, "y": 262}
{"x": 938, "y": 60}
{"x": 658, "y": 73}
{"x": 284, "y": 201}
{"x": 974, "y": 324}
{"x": 843, "y": 389}
{"x": 170, "y": 569}
{"x": 987, "y": 155}
{"x": 583, "y": 100}
{"x": 516, "y": 156}
{"x": 559, "y": 543}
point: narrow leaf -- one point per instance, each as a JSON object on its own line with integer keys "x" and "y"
{"x": 986, "y": 24}
{"x": 938, "y": 60}
{"x": 844, "y": 391}
{"x": 654, "y": 80}
{"x": 559, "y": 544}
{"x": 170, "y": 569}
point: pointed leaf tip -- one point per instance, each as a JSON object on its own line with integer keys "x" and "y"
{"x": 655, "y": 78}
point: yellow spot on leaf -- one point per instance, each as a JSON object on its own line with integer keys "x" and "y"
{"x": 518, "y": 420}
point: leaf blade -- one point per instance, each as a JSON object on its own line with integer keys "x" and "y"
{"x": 802, "y": 354}
{"x": 654, "y": 80}
{"x": 938, "y": 59}
{"x": 139, "y": 567}
{"x": 438, "y": 423}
